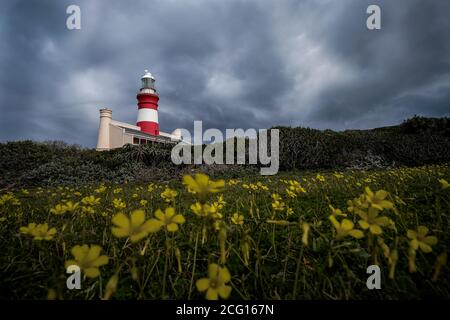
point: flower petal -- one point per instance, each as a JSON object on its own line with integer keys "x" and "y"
{"x": 159, "y": 214}
{"x": 411, "y": 234}
{"x": 375, "y": 229}
{"x": 172, "y": 227}
{"x": 121, "y": 221}
{"x": 424, "y": 247}
{"x": 224, "y": 291}
{"x": 202, "y": 284}
{"x": 92, "y": 272}
{"x": 100, "y": 261}
{"x": 422, "y": 230}
{"x": 93, "y": 253}
{"x": 152, "y": 225}
{"x": 363, "y": 224}
{"x": 347, "y": 225}
{"x": 414, "y": 244}
{"x": 137, "y": 218}
{"x": 178, "y": 219}
{"x": 358, "y": 234}
{"x": 431, "y": 240}
{"x": 119, "y": 232}
{"x": 224, "y": 275}
{"x": 212, "y": 294}
{"x": 170, "y": 212}
{"x": 213, "y": 271}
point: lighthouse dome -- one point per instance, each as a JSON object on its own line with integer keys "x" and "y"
{"x": 148, "y": 82}
{"x": 147, "y": 75}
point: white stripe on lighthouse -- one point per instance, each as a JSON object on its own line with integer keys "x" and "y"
{"x": 146, "y": 114}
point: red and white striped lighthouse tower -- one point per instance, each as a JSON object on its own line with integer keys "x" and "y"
{"x": 148, "y": 99}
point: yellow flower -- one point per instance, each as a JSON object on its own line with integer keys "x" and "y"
{"x": 88, "y": 259}
{"x": 237, "y": 219}
{"x": 291, "y": 193}
{"x": 87, "y": 210}
{"x": 119, "y": 204}
{"x": 216, "y": 283}
{"x": 169, "y": 219}
{"x": 345, "y": 228}
{"x": 294, "y": 189}
{"x": 58, "y": 209}
{"x": 150, "y": 187}
{"x": 169, "y": 195}
{"x": 39, "y": 232}
{"x": 378, "y": 199}
{"x": 419, "y": 239}
{"x": 70, "y": 206}
{"x": 117, "y": 190}
{"x": 336, "y": 212}
{"x": 91, "y": 200}
{"x": 320, "y": 178}
{"x": 101, "y": 189}
{"x": 371, "y": 220}
{"x": 277, "y": 202}
{"x": 219, "y": 203}
{"x": 206, "y": 210}
{"x": 28, "y": 229}
{"x": 201, "y": 185}
{"x": 135, "y": 227}
{"x": 444, "y": 184}
{"x": 143, "y": 202}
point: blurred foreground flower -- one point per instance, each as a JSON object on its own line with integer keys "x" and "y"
{"x": 215, "y": 284}
{"x": 169, "y": 219}
{"x": 134, "y": 226}
{"x": 201, "y": 185}
{"x": 39, "y": 232}
{"x": 419, "y": 239}
{"x": 88, "y": 259}
{"x": 345, "y": 228}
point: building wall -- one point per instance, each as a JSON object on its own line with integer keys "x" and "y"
{"x": 116, "y": 137}
{"x": 127, "y": 138}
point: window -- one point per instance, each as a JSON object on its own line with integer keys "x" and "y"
{"x": 135, "y": 140}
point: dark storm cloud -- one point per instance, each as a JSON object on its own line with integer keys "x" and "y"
{"x": 232, "y": 64}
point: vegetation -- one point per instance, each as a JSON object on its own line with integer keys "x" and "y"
{"x": 416, "y": 142}
{"x": 298, "y": 235}
{"x": 140, "y": 227}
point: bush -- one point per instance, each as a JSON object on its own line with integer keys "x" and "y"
{"x": 418, "y": 141}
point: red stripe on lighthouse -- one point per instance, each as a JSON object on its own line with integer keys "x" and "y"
{"x": 148, "y": 113}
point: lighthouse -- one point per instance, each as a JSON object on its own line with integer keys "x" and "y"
{"x": 115, "y": 134}
{"x": 148, "y": 99}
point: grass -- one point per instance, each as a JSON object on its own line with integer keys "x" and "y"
{"x": 265, "y": 255}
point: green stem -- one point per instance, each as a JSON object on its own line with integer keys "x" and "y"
{"x": 193, "y": 267}
{"x": 297, "y": 272}
{"x": 166, "y": 263}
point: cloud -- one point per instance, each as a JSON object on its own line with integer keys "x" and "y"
{"x": 232, "y": 64}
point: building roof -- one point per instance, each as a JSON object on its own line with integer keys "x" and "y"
{"x": 149, "y": 136}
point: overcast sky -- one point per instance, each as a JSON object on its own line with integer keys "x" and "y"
{"x": 232, "y": 64}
